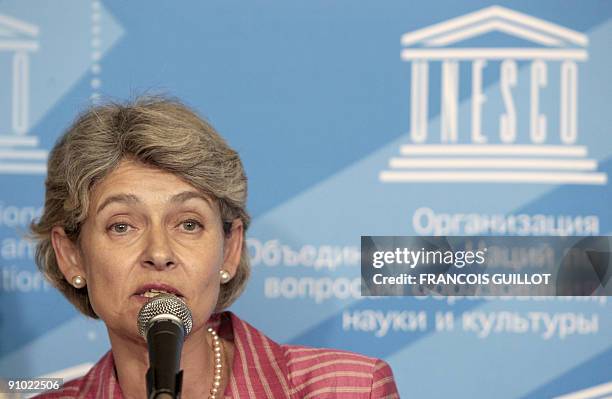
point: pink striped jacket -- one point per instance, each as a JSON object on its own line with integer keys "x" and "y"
{"x": 264, "y": 369}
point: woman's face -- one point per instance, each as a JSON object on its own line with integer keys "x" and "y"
{"x": 149, "y": 230}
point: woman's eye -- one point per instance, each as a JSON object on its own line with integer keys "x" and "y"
{"x": 119, "y": 228}
{"x": 191, "y": 225}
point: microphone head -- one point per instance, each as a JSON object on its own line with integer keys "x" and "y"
{"x": 164, "y": 305}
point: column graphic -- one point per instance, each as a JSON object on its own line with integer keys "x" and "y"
{"x": 19, "y": 149}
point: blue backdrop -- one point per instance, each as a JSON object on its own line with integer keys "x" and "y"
{"x": 352, "y": 118}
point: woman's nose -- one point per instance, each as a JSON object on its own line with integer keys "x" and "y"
{"x": 158, "y": 251}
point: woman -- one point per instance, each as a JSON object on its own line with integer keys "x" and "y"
{"x": 146, "y": 198}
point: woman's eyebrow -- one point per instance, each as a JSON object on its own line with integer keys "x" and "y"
{"x": 121, "y": 198}
{"x": 187, "y": 195}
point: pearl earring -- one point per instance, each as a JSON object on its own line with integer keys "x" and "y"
{"x": 225, "y": 276}
{"x": 78, "y": 281}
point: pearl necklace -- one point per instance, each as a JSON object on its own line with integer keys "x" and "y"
{"x": 214, "y": 391}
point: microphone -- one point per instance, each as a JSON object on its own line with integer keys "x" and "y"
{"x": 164, "y": 322}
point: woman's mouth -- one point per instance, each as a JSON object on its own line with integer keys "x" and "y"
{"x": 153, "y": 290}
{"x": 153, "y": 293}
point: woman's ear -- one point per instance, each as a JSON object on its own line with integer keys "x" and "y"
{"x": 67, "y": 254}
{"x": 233, "y": 247}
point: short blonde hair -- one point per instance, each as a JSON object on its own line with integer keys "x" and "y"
{"x": 156, "y": 131}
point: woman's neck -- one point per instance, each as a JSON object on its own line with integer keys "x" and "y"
{"x": 132, "y": 362}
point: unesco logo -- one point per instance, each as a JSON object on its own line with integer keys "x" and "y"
{"x": 513, "y": 141}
